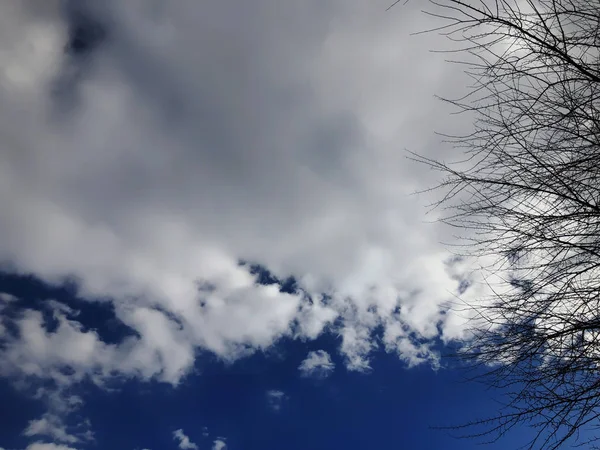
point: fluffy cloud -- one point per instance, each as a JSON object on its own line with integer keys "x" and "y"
{"x": 317, "y": 364}
{"x": 184, "y": 441}
{"x": 39, "y": 353}
{"x": 199, "y": 135}
{"x": 219, "y": 444}
{"x": 51, "y": 426}
{"x": 44, "y": 446}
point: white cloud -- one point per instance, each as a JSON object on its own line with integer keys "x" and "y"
{"x": 169, "y": 159}
{"x": 47, "y": 446}
{"x": 317, "y": 364}
{"x": 275, "y": 399}
{"x": 219, "y": 444}
{"x": 356, "y": 347}
{"x": 38, "y": 353}
{"x": 184, "y": 441}
{"x": 51, "y": 426}
{"x": 307, "y": 182}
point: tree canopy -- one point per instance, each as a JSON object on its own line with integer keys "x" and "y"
{"x": 527, "y": 194}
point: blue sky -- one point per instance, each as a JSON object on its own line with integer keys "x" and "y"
{"x": 264, "y": 401}
{"x": 209, "y": 230}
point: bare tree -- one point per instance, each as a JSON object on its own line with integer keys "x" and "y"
{"x": 527, "y": 195}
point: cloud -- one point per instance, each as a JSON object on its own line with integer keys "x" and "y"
{"x": 189, "y": 140}
{"x": 317, "y": 364}
{"x": 158, "y": 351}
{"x": 184, "y": 441}
{"x": 44, "y": 446}
{"x": 37, "y": 352}
{"x": 275, "y": 399}
{"x": 219, "y": 444}
{"x": 6, "y": 298}
{"x": 51, "y": 426}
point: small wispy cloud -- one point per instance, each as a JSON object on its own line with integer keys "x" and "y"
{"x": 317, "y": 364}
{"x": 275, "y": 399}
{"x": 184, "y": 441}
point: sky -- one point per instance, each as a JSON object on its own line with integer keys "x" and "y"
{"x": 210, "y": 232}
